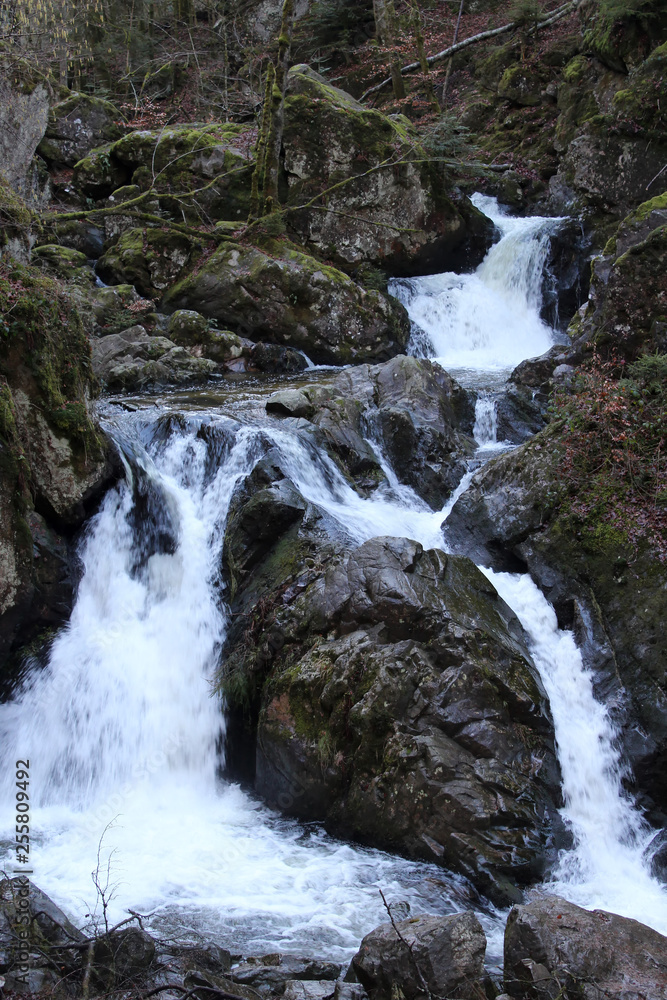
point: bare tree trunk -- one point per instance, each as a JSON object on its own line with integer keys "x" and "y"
{"x": 449, "y": 64}
{"x": 278, "y": 109}
{"x": 260, "y": 150}
{"x": 421, "y": 54}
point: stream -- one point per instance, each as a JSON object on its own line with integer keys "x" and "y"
{"x": 126, "y": 741}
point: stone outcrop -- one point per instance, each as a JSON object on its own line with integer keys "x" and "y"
{"x": 283, "y": 296}
{"x": 626, "y": 310}
{"x": 555, "y": 949}
{"x": 52, "y": 458}
{"x": 403, "y": 217}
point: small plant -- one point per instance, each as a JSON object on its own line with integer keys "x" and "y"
{"x": 448, "y": 137}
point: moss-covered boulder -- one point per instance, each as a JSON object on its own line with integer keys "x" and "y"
{"x": 51, "y": 454}
{"x": 521, "y": 85}
{"x": 77, "y": 125}
{"x": 151, "y": 259}
{"x": 390, "y": 205}
{"x": 192, "y": 330}
{"x": 15, "y": 223}
{"x": 283, "y": 296}
{"x": 627, "y": 310}
{"x": 612, "y": 131}
{"x": 200, "y": 172}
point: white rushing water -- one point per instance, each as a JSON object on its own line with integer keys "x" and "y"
{"x": 122, "y": 727}
{"x": 489, "y": 320}
{"x": 608, "y": 867}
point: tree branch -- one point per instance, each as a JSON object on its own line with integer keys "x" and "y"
{"x": 481, "y": 37}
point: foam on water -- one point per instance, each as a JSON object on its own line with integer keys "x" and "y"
{"x": 489, "y": 320}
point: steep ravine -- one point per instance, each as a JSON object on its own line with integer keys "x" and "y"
{"x": 140, "y": 742}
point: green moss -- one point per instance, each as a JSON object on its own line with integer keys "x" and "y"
{"x": 15, "y": 218}
{"x": 576, "y": 69}
{"x": 643, "y": 211}
{"x": 43, "y": 330}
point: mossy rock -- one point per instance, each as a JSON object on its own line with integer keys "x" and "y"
{"x": 284, "y": 296}
{"x": 77, "y": 125}
{"x": 62, "y": 262}
{"x": 522, "y": 85}
{"x": 16, "y": 221}
{"x": 201, "y": 171}
{"x": 152, "y": 260}
{"x": 404, "y": 217}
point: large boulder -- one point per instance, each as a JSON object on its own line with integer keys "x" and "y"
{"x": 390, "y": 689}
{"x": 283, "y": 296}
{"x": 24, "y": 110}
{"x": 152, "y": 260}
{"x": 443, "y": 954}
{"x": 202, "y": 172}
{"x": 403, "y": 217}
{"x": 555, "y": 949}
{"x": 77, "y": 125}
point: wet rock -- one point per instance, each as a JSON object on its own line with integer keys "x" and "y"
{"x": 405, "y": 219}
{"x": 522, "y": 408}
{"x": 408, "y": 408}
{"x": 133, "y": 360}
{"x": 201, "y": 983}
{"x": 77, "y": 125}
{"x": 444, "y": 953}
{"x": 401, "y": 706}
{"x": 613, "y": 597}
{"x": 285, "y": 297}
{"x": 287, "y": 972}
{"x": 297, "y": 989}
{"x": 276, "y": 359}
{"x": 556, "y": 949}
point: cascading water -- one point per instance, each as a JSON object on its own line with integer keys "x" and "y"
{"x": 121, "y": 727}
{"x": 490, "y": 320}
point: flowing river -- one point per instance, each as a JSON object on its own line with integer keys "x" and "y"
{"x": 126, "y": 739}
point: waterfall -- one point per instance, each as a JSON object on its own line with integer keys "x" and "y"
{"x": 490, "y": 319}
{"x": 607, "y": 867}
{"x": 485, "y": 430}
{"x": 125, "y": 733}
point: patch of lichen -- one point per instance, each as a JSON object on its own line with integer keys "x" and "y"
{"x": 43, "y": 345}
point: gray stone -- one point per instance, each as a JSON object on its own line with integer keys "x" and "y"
{"x": 444, "y": 953}
{"x": 556, "y": 949}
